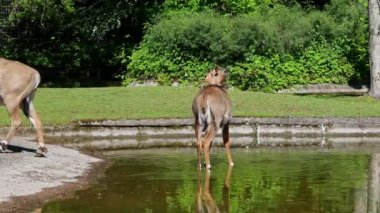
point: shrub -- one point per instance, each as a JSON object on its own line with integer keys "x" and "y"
{"x": 273, "y": 49}
{"x": 166, "y": 68}
{"x": 320, "y": 63}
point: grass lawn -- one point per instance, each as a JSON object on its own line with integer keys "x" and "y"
{"x": 58, "y": 106}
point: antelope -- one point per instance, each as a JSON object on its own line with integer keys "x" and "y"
{"x": 18, "y": 84}
{"x": 212, "y": 110}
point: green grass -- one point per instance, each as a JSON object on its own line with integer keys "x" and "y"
{"x": 58, "y": 106}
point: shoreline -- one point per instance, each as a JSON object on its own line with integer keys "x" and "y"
{"x": 28, "y": 182}
{"x": 34, "y": 202}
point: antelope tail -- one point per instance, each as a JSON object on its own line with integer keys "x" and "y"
{"x": 28, "y": 94}
{"x": 205, "y": 117}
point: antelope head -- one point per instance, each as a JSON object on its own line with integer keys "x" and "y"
{"x": 215, "y": 77}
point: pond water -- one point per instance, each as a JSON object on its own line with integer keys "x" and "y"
{"x": 262, "y": 180}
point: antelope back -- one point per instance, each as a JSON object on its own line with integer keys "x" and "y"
{"x": 17, "y": 80}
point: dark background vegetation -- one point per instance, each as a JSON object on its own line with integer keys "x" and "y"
{"x": 265, "y": 45}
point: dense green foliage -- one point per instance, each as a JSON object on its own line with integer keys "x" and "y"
{"x": 268, "y": 49}
{"x": 82, "y": 39}
{"x": 319, "y": 63}
{"x": 274, "y": 43}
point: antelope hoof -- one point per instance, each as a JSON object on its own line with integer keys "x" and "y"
{"x": 3, "y": 147}
{"x": 41, "y": 152}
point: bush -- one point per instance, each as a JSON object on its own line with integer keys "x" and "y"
{"x": 272, "y": 49}
{"x": 320, "y": 63}
{"x": 165, "y": 68}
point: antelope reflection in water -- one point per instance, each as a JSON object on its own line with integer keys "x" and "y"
{"x": 204, "y": 199}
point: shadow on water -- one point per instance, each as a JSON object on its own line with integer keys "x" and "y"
{"x": 262, "y": 180}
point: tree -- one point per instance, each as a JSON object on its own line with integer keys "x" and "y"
{"x": 374, "y": 46}
{"x": 75, "y": 40}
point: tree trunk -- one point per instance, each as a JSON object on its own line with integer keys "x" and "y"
{"x": 374, "y": 46}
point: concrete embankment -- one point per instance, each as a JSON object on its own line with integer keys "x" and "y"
{"x": 245, "y": 132}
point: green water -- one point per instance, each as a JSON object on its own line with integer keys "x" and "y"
{"x": 266, "y": 180}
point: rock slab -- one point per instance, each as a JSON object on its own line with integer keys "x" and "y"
{"x": 21, "y": 173}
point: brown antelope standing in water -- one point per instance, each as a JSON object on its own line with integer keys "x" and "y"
{"x": 18, "y": 84}
{"x": 212, "y": 110}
